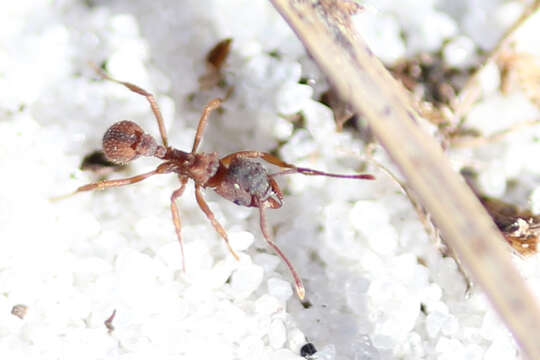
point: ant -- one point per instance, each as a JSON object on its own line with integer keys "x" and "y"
{"x": 237, "y": 177}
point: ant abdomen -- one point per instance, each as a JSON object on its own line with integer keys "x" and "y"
{"x": 126, "y": 141}
{"x": 245, "y": 179}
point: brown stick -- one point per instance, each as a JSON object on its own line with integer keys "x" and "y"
{"x": 361, "y": 80}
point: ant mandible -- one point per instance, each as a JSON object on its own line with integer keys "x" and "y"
{"x": 236, "y": 177}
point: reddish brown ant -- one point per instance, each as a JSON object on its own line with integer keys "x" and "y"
{"x": 236, "y": 177}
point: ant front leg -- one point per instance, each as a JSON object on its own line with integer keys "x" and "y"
{"x": 176, "y": 216}
{"x": 210, "y": 215}
{"x": 151, "y": 99}
{"x": 101, "y": 185}
{"x": 299, "y": 286}
{"x": 292, "y": 169}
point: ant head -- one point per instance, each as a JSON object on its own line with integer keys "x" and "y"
{"x": 125, "y": 141}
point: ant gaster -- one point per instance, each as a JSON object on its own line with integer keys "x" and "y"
{"x": 236, "y": 177}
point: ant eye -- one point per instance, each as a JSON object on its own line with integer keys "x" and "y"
{"x": 125, "y": 141}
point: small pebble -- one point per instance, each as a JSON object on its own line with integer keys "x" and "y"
{"x": 308, "y": 350}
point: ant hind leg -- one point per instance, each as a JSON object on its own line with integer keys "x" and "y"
{"x": 291, "y": 168}
{"x": 299, "y": 286}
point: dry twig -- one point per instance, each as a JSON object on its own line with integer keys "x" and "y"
{"x": 325, "y": 29}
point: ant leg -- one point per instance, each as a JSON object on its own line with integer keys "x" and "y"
{"x": 107, "y": 184}
{"x": 100, "y": 185}
{"x": 176, "y": 216}
{"x": 300, "y": 290}
{"x": 146, "y": 94}
{"x": 210, "y": 215}
{"x": 271, "y": 202}
{"x": 256, "y": 154}
{"x": 292, "y": 169}
{"x": 211, "y": 106}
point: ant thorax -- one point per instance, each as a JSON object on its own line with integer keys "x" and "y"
{"x": 202, "y": 167}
